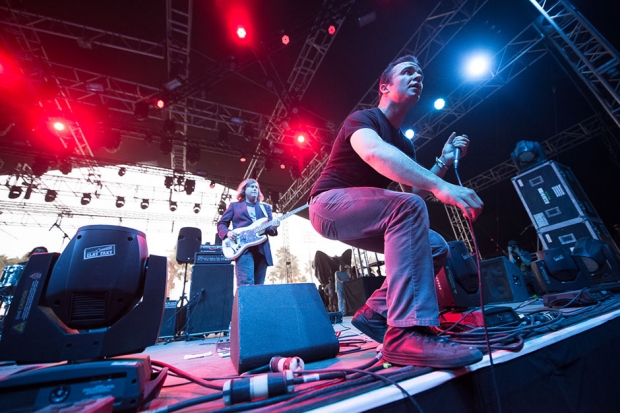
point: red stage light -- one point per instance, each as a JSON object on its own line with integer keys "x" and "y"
{"x": 331, "y": 29}
{"x": 301, "y": 138}
{"x": 59, "y": 126}
{"x": 241, "y": 32}
{"x": 160, "y": 104}
{"x": 282, "y": 165}
{"x": 243, "y": 159}
{"x": 285, "y": 40}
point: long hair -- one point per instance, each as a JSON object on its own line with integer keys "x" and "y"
{"x": 243, "y": 185}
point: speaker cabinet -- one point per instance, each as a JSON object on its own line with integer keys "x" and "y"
{"x": 188, "y": 244}
{"x": 357, "y": 291}
{"x": 457, "y": 282}
{"x": 173, "y": 320}
{"x": 502, "y": 281}
{"x": 279, "y": 320}
{"x": 209, "y": 307}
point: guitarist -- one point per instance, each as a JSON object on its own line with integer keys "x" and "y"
{"x": 251, "y": 266}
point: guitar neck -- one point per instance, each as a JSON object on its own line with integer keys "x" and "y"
{"x": 288, "y": 214}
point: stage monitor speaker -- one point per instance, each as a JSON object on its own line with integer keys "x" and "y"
{"x": 502, "y": 281}
{"x": 279, "y": 320}
{"x": 188, "y": 244}
{"x": 357, "y": 291}
{"x": 457, "y": 282}
{"x": 210, "y": 298}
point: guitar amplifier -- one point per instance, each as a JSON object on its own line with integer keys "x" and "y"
{"x": 210, "y": 254}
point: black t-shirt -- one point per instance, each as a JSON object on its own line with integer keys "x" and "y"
{"x": 345, "y": 168}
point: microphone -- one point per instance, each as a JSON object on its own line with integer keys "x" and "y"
{"x": 457, "y": 156}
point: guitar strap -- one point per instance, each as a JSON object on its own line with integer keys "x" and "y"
{"x": 262, "y": 207}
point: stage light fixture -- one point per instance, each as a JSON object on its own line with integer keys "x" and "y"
{"x": 40, "y": 167}
{"x": 122, "y": 171}
{"x": 190, "y": 185}
{"x": 268, "y": 164}
{"x": 120, "y": 201}
{"x": 248, "y": 132}
{"x": 285, "y": 40}
{"x": 99, "y": 303}
{"x": 15, "y": 192}
{"x": 193, "y": 155}
{"x": 144, "y": 204}
{"x": 168, "y": 181}
{"x": 59, "y": 126}
{"x": 439, "y": 104}
{"x": 86, "y": 198}
{"x": 173, "y": 206}
{"x": 409, "y": 133}
{"x": 331, "y": 29}
{"x": 165, "y": 145}
{"x": 50, "y": 195}
{"x": 212, "y": 184}
{"x": 141, "y": 110}
{"x": 111, "y": 140}
{"x": 65, "y": 167}
{"x": 301, "y": 138}
{"x": 282, "y": 165}
{"x": 222, "y": 137}
{"x": 29, "y": 191}
{"x": 196, "y": 208}
{"x": 478, "y": 66}
{"x": 172, "y": 84}
{"x": 241, "y": 33}
{"x": 160, "y": 103}
{"x": 590, "y": 252}
{"x": 528, "y": 154}
{"x": 221, "y": 208}
{"x": 170, "y": 126}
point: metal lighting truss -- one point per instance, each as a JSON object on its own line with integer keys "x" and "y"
{"x": 441, "y": 25}
{"x": 312, "y": 53}
{"x": 86, "y": 37}
{"x": 587, "y": 52}
{"x": 178, "y": 36}
{"x": 33, "y": 61}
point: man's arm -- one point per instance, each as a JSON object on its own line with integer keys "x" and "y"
{"x": 395, "y": 165}
{"x": 445, "y": 161}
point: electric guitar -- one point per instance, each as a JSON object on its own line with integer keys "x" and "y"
{"x": 251, "y": 235}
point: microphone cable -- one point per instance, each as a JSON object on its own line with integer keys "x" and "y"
{"x": 484, "y": 318}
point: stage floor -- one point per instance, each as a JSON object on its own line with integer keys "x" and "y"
{"x": 206, "y": 358}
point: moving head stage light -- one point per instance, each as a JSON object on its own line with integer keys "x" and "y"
{"x": 103, "y": 296}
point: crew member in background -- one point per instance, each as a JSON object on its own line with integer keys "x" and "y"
{"x": 523, "y": 260}
{"x": 251, "y": 265}
{"x": 341, "y": 276}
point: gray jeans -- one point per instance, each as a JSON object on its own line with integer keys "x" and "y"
{"x": 395, "y": 224}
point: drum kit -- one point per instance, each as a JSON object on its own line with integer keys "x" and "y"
{"x": 8, "y": 281}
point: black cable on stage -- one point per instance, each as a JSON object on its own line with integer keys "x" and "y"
{"x": 355, "y": 386}
{"x": 484, "y": 321}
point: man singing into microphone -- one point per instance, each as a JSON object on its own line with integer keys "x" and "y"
{"x": 349, "y": 203}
